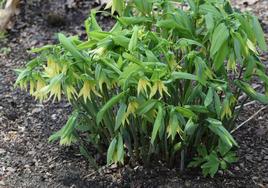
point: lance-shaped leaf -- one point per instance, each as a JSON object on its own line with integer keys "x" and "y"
{"x": 209, "y": 97}
{"x": 220, "y": 35}
{"x": 66, "y": 133}
{"x": 259, "y": 33}
{"x": 120, "y": 117}
{"x": 217, "y": 128}
{"x": 68, "y": 45}
{"x": 158, "y": 123}
{"x": 134, "y": 39}
{"x": 133, "y": 20}
{"x": 245, "y": 87}
{"x": 111, "y": 151}
{"x": 120, "y": 149}
{"x": 109, "y": 105}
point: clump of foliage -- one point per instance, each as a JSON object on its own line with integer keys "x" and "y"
{"x": 162, "y": 84}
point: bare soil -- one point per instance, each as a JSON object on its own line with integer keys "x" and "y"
{"x": 28, "y": 160}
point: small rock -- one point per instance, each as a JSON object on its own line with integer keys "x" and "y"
{"x": 2, "y": 151}
{"x": 2, "y": 183}
{"x": 26, "y": 166}
{"x": 255, "y": 178}
{"x": 10, "y": 169}
{"x": 54, "y": 116}
{"x": 187, "y": 184}
{"x": 266, "y": 157}
{"x": 36, "y": 110}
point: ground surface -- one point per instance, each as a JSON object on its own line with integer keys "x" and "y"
{"x": 28, "y": 160}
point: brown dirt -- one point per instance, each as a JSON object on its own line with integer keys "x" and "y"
{"x": 28, "y": 160}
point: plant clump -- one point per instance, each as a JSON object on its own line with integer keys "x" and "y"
{"x": 162, "y": 84}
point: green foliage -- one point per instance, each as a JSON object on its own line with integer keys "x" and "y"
{"x": 157, "y": 85}
{"x": 2, "y": 3}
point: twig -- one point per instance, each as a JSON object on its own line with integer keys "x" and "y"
{"x": 247, "y": 104}
{"x": 249, "y": 119}
{"x": 244, "y": 95}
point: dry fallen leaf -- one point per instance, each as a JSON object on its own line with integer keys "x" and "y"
{"x": 249, "y": 2}
{"x": 102, "y": 1}
{"x": 7, "y": 13}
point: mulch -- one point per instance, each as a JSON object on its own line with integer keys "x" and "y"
{"x": 28, "y": 160}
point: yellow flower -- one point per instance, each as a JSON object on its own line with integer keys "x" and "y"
{"x": 160, "y": 87}
{"x": 38, "y": 94}
{"x": 52, "y": 68}
{"x": 98, "y": 52}
{"x": 89, "y": 86}
{"x": 32, "y": 87}
{"x": 71, "y": 92}
{"x": 56, "y": 91}
{"x": 131, "y": 109}
{"x": 142, "y": 85}
{"x": 23, "y": 85}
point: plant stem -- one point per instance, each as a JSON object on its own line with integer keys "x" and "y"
{"x": 182, "y": 161}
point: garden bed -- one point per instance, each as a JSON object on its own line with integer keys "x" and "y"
{"x": 28, "y": 160}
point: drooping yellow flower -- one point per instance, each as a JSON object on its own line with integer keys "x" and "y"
{"x": 160, "y": 87}
{"x": 98, "y": 52}
{"x": 142, "y": 86}
{"x": 88, "y": 87}
{"x": 38, "y": 94}
{"x": 71, "y": 92}
{"x": 226, "y": 111}
{"x": 23, "y": 85}
{"x": 56, "y": 91}
{"x": 131, "y": 109}
{"x": 32, "y": 87}
{"x": 52, "y": 68}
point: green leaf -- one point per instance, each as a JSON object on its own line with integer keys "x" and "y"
{"x": 209, "y": 22}
{"x": 217, "y": 104}
{"x": 259, "y": 33}
{"x": 174, "y": 125}
{"x": 134, "y": 39}
{"x": 209, "y": 97}
{"x": 66, "y": 133}
{"x": 190, "y": 127}
{"x": 120, "y": 149}
{"x": 144, "y": 6}
{"x": 177, "y": 147}
{"x": 183, "y": 75}
{"x": 185, "y": 112}
{"x": 220, "y": 35}
{"x": 216, "y": 127}
{"x": 121, "y": 40}
{"x": 245, "y": 87}
{"x": 134, "y": 20}
{"x": 221, "y": 55}
{"x": 68, "y": 45}
{"x": 146, "y": 106}
{"x": 120, "y": 115}
{"x": 91, "y": 23}
{"x": 230, "y": 157}
{"x": 111, "y": 151}
{"x": 212, "y": 164}
{"x": 118, "y": 6}
{"x": 108, "y": 105}
{"x": 158, "y": 122}
{"x": 208, "y": 8}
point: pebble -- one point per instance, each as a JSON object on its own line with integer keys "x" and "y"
{"x": 10, "y": 169}
{"x": 2, "y": 183}
{"x": 237, "y": 168}
{"x": 2, "y": 151}
{"x": 54, "y": 116}
{"x": 36, "y": 110}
